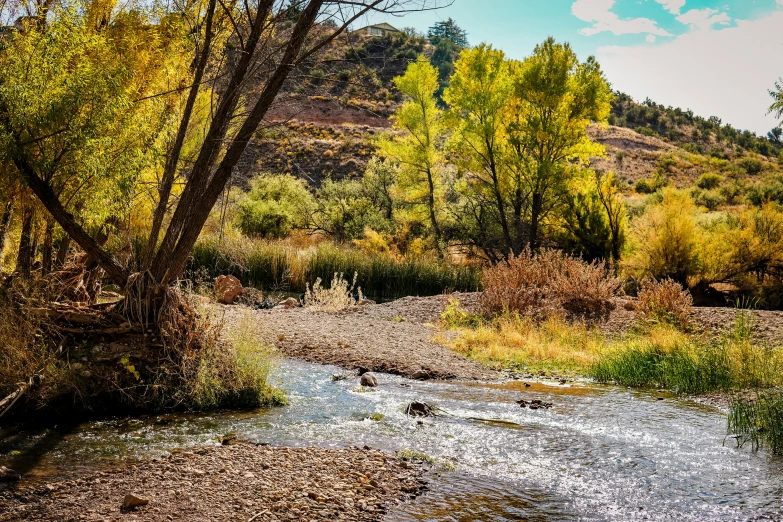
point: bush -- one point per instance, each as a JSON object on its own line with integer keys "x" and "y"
{"x": 665, "y": 301}
{"x": 664, "y": 241}
{"x": 338, "y": 296}
{"x": 709, "y": 180}
{"x": 549, "y": 284}
{"x": 275, "y": 205}
{"x": 709, "y": 199}
{"x": 751, "y": 165}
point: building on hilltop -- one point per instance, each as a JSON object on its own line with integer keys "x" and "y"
{"x": 382, "y": 29}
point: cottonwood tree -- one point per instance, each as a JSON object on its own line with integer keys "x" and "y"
{"x": 479, "y": 96}
{"x": 260, "y": 53}
{"x": 520, "y": 134}
{"x": 555, "y": 99}
{"x": 417, "y": 150}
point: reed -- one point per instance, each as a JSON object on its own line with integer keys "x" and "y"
{"x": 269, "y": 265}
{"x": 758, "y": 420}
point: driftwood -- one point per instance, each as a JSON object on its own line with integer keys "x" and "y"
{"x": 22, "y": 387}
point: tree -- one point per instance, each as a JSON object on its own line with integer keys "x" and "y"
{"x": 478, "y": 96}
{"x": 417, "y": 150}
{"x": 448, "y": 30}
{"x": 555, "y": 99}
{"x": 249, "y": 72}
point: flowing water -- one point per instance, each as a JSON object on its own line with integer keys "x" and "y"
{"x": 600, "y": 453}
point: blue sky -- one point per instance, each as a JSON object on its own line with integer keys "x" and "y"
{"x": 716, "y": 57}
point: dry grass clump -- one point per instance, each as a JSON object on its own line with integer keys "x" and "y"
{"x": 549, "y": 284}
{"x": 522, "y": 344}
{"x": 665, "y": 301}
{"x": 338, "y": 296}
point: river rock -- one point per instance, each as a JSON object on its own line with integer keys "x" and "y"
{"x": 369, "y": 380}
{"x": 420, "y": 409}
{"x": 8, "y": 475}
{"x": 227, "y": 289}
{"x": 421, "y": 375}
{"x": 365, "y": 302}
{"x": 132, "y": 501}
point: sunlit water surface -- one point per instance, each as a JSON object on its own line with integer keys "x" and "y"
{"x": 600, "y": 453}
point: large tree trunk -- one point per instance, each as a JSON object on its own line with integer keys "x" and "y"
{"x": 201, "y": 193}
{"x": 25, "y": 255}
{"x": 170, "y": 169}
{"x": 5, "y": 225}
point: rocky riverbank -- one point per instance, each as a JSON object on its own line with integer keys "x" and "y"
{"x": 238, "y": 482}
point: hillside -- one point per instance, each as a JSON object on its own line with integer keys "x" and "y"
{"x": 325, "y": 125}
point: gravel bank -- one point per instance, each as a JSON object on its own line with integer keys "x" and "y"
{"x": 238, "y": 482}
{"x": 388, "y": 338}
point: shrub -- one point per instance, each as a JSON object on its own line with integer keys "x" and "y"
{"x": 665, "y": 301}
{"x": 664, "y": 241}
{"x": 549, "y": 284}
{"x": 751, "y": 165}
{"x": 275, "y": 205}
{"x": 709, "y": 180}
{"x": 709, "y": 199}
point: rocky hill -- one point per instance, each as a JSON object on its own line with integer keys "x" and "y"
{"x": 325, "y": 125}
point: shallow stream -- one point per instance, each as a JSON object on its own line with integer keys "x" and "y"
{"x": 600, "y": 453}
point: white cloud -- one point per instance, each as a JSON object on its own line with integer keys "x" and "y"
{"x": 599, "y": 13}
{"x": 704, "y": 18}
{"x": 725, "y": 73}
{"x": 651, "y": 38}
{"x": 675, "y": 6}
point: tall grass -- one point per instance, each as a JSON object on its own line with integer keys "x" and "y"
{"x": 272, "y": 265}
{"x": 758, "y": 420}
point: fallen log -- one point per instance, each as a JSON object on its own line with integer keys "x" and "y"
{"x": 9, "y": 401}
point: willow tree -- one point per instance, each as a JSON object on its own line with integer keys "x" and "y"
{"x": 243, "y": 78}
{"x": 68, "y": 125}
{"x": 417, "y": 149}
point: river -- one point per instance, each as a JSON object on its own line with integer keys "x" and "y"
{"x": 599, "y": 453}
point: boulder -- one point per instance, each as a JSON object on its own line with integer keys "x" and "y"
{"x": 8, "y": 475}
{"x": 369, "y": 380}
{"x": 227, "y": 289}
{"x": 420, "y": 409}
{"x": 132, "y": 501}
{"x": 421, "y": 375}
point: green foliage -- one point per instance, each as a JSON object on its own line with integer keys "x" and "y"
{"x": 416, "y": 150}
{"x": 691, "y": 366}
{"x": 594, "y": 221}
{"x": 520, "y": 131}
{"x": 448, "y": 30}
{"x": 275, "y": 205}
{"x": 709, "y": 181}
{"x": 768, "y": 189}
{"x": 455, "y": 316}
{"x": 750, "y": 165}
{"x": 344, "y": 210}
{"x": 758, "y": 420}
